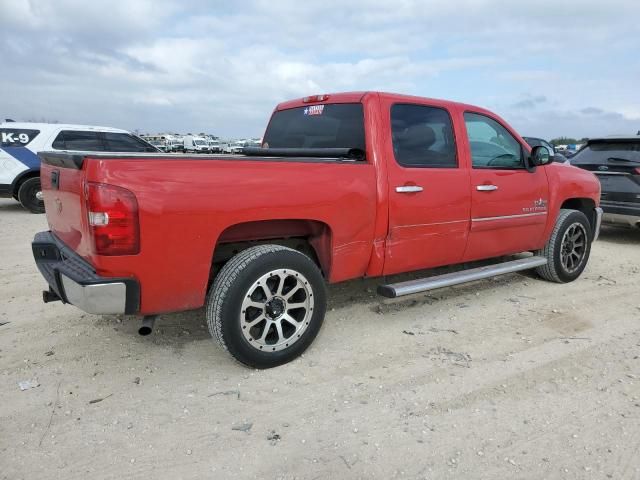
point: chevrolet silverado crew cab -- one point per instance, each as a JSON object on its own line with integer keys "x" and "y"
{"x": 20, "y": 142}
{"x": 343, "y": 186}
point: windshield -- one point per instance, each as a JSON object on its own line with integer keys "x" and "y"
{"x": 199, "y": 142}
{"x": 338, "y": 125}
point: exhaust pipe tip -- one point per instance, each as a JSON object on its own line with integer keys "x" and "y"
{"x": 144, "y": 331}
{"x": 147, "y": 325}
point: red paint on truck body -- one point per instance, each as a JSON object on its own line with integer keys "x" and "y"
{"x": 356, "y": 221}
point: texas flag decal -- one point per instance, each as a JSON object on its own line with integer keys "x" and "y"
{"x": 314, "y": 110}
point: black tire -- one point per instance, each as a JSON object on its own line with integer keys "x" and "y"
{"x": 232, "y": 289}
{"x": 556, "y": 269}
{"x": 28, "y": 195}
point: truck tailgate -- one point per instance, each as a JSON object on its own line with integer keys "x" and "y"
{"x": 62, "y": 188}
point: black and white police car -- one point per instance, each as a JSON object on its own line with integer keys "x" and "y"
{"x": 20, "y": 142}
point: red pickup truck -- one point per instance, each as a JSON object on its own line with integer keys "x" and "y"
{"x": 343, "y": 186}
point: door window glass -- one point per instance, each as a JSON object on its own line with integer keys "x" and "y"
{"x": 492, "y": 146}
{"x": 422, "y": 136}
{"x": 78, "y": 140}
{"x": 123, "y": 142}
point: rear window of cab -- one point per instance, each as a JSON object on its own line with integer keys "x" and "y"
{"x": 333, "y": 125}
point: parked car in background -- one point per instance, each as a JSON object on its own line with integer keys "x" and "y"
{"x": 195, "y": 144}
{"x": 254, "y": 142}
{"x": 616, "y": 162}
{"x": 161, "y": 146}
{"x": 348, "y": 185}
{"x": 237, "y": 146}
{"x": 175, "y": 143}
{"x": 21, "y": 141}
{"x": 214, "y": 145}
{"x": 535, "y": 142}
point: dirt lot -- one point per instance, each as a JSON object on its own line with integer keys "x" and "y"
{"x": 507, "y": 378}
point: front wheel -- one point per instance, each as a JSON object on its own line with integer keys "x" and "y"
{"x": 30, "y": 195}
{"x": 568, "y": 249}
{"x": 266, "y": 305}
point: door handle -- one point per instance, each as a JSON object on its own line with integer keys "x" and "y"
{"x": 409, "y": 189}
{"x": 486, "y": 188}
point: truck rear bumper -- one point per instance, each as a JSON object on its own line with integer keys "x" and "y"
{"x": 73, "y": 280}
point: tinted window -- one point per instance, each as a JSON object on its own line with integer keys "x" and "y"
{"x": 422, "y": 136}
{"x": 317, "y": 126}
{"x": 77, "y": 140}
{"x": 492, "y": 146}
{"x": 123, "y": 142}
{"x": 600, "y": 152}
{"x": 16, "y": 137}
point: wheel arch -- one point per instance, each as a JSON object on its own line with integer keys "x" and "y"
{"x": 584, "y": 205}
{"x": 27, "y": 174}
{"x": 312, "y": 237}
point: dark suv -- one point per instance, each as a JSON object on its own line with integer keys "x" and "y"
{"x": 616, "y": 162}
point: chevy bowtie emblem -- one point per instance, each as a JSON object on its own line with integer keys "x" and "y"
{"x": 540, "y": 203}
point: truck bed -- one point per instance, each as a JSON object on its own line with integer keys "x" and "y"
{"x": 188, "y": 204}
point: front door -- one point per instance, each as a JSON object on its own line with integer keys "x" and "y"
{"x": 508, "y": 202}
{"x": 429, "y": 197}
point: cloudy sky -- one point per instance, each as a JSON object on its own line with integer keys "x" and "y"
{"x": 549, "y": 67}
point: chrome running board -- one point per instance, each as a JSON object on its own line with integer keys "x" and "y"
{"x": 394, "y": 290}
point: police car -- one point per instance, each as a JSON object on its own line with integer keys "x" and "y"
{"x": 20, "y": 143}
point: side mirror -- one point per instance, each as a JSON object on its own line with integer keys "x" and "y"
{"x": 541, "y": 155}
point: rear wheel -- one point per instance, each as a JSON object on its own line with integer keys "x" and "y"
{"x": 568, "y": 249}
{"x": 267, "y": 305}
{"x": 30, "y": 195}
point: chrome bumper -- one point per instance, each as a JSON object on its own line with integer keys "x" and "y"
{"x": 596, "y": 229}
{"x": 73, "y": 280}
{"x": 98, "y": 298}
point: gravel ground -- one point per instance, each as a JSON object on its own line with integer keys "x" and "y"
{"x": 506, "y": 378}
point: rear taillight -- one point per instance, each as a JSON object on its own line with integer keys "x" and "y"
{"x": 113, "y": 219}
{"x": 637, "y": 170}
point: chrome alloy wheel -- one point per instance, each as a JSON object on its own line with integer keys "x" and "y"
{"x": 276, "y": 310}
{"x": 574, "y": 247}
{"x": 39, "y": 195}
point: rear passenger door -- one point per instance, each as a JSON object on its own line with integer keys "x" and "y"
{"x": 429, "y": 197}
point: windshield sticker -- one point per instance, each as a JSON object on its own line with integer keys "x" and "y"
{"x": 314, "y": 110}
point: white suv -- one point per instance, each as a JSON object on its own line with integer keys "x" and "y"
{"x": 20, "y": 143}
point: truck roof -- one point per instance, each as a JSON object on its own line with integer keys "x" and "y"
{"x": 356, "y": 97}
